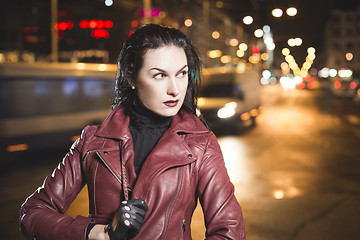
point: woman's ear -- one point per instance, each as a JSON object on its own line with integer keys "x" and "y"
{"x": 131, "y": 83}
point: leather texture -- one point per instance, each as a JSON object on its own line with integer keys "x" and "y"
{"x": 185, "y": 166}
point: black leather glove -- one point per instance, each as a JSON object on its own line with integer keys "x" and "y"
{"x": 130, "y": 218}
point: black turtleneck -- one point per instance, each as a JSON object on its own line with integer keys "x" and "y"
{"x": 146, "y": 128}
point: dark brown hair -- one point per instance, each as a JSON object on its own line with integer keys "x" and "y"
{"x": 152, "y": 36}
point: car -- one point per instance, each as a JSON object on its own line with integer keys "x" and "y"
{"x": 344, "y": 87}
{"x": 230, "y": 100}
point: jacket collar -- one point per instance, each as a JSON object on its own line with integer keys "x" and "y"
{"x": 115, "y": 126}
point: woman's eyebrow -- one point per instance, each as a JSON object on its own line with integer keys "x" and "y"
{"x": 157, "y": 69}
{"x": 162, "y": 70}
{"x": 181, "y": 69}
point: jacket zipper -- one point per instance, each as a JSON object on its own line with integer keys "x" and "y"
{"x": 171, "y": 202}
{"x": 108, "y": 167}
{"x": 88, "y": 152}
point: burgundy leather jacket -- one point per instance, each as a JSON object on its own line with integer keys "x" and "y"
{"x": 185, "y": 165}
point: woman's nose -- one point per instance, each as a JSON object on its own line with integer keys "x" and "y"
{"x": 173, "y": 88}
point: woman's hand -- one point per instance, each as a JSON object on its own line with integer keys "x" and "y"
{"x": 128, "y": 220}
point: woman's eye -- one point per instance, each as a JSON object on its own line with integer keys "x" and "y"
{"x": 159, "y": 76}
{"x": 182, "y": 73}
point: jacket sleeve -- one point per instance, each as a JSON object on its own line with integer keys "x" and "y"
{"x": 42, "y": 213}
{"x": 222, "y": 212}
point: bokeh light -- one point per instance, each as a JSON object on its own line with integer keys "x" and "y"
{"x": 248, "y": 20}
{"x": 188, "y": 22}
{"x": 277, "y": 12}
{"x": 215, "y": 34}
{"x": 291, "y": 11}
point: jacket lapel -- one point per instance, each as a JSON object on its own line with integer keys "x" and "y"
{"x": 171, "y": 151}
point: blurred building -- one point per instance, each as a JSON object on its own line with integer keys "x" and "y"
{"x": 343, "y": 39}
{"x": 213, "y": 31}
{"x": 94, "y": 32}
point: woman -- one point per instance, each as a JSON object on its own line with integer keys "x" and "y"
{"x": 148, "y": 163}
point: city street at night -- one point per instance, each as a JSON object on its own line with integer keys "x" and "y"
{"x": 278, "y": 83}
{"x": 296, "y": 174}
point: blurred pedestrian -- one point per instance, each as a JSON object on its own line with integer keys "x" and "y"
{"x": 150, "y": 160}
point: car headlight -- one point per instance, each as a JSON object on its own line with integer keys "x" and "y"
{"x": 227, "y": 111}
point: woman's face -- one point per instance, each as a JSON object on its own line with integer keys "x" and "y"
{"x": 163, "y": 80}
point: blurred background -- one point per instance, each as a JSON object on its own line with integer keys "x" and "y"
{"x": 280, "y": 91}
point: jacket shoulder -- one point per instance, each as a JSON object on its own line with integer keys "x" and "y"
{"x": 86, "y": 138}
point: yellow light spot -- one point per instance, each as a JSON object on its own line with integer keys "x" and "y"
{"x": 254, "y": 112}
{"x": 188, "y": 22}
{"x": 248, "y": 20}
{"x": 225, "y": 59}
{"x": 201, "y": 101}
{"x": 219, "y": 4}
{"x": 74, "y": 138}
{"x": 80, "y": 66}
{"x": 311, "y": 50}
{"x": 349, "y": 56}
{"x": 215, "y": 34}
{"x": 291, "y": 11}
{"x": 245, "y": 116}
{"x": 214, "y": 53}
{"x": 285, "y": 51}
{"x": 18, "y": 147}
{"x": 264, "y": 56}
{"x": 102, "y": 67}
{"x": 240, "y": 53}
{"x": 233, "y": 42}
{"x": 243, "y": 47}
{"x": 277, "y": 12}
{"x": 279, "y": 194}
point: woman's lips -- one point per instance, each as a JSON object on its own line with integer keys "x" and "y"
{"x": 171, "y": 103}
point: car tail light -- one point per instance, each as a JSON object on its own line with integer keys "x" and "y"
{"x": 337, "y": 84}
{"x": 353, "y": 85}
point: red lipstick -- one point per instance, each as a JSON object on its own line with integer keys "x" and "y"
{"x": 171, "y": 103}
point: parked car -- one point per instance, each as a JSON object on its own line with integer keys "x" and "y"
{"x": 230, "y": 99}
